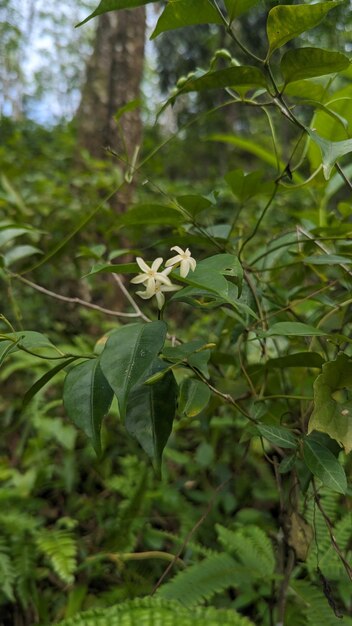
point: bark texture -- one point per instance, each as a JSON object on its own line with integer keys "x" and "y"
{"x": 113, "y": 76}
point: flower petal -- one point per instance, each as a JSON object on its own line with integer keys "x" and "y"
{"x": 170, "y": 287}
{"x": 156, "y": 264}
{"x": 144, "y": 294}
{"x": 193, "y": 263}
{"x": 173, "y": 261}
{"x": 177, "y": 249}
{"x": 160, "y": 298}
{"x": 184, "y": 268}
{"x": 142, "y": 264}
{"x": 162, "y": 278}
{"x": 141, "y": 278}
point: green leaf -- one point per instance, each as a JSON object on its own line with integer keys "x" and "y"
{"x": 247, "y": 145}
{"x": 235, "y": 8}
{"x": 332, "y": 404}
{"x": 244, "y": 78}
{"x": 114, "y": 5}
{"x": 287, "y": 464}
{"x": 298, "y": 359}
{"x": 43, "y": 380}
{"x": 150, "y": 412}
{"x": 309, "y": 62}
{"x": 326, "y": 259}
{"x": 121, "y": 268}
{"x": 194, "y": 397}
{"x": 279, "y": 436}
{"x": 33, "y": 341}
{"x": 285, "y": 22}
{"x": 193, "y": 204}
{"x": 152, "y": 214}
{"x": 20, "y": 252}
{"x": 179, "y": 13}
{"x": 297, "y": 329}
{"x": 8, "y": 234}
{"x": 59, "y": 546}
{"x": 128, "y": 355}
{"x": 196, "y": 352}
{"x": 324, "y": 465}
{"x": 132, "y": 105}
{"x": 6, "y": 347}
{"x": 331, "y": 150}
{"x": 87, "y": 399}
{"x": 245, "y": 186}
{"x": 211, "y": 272}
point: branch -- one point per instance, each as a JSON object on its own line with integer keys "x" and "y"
{"x": 75, "y": 300}
{"x": 330, "y": 528}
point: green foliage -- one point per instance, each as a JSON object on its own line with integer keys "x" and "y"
{"x": 285, "y": 22}
{"x": 127, "y": 356}
{"x": 60, "y": 548}
{"x": 332, "y": 403}
{"x": 87, "y": 398}
{"x": 150, "y": 611}
{"x": 252, "y": 349}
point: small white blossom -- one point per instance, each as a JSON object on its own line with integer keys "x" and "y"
{"x": 157, "y": 290}
{"x": 184, "y": 259}
{"x": 151, "y": 275}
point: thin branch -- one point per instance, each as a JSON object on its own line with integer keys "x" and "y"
{"x": 322, "y": 247}
{"x": 224, "y": 396}
{"x": 343, "y": 176}
{"x": 74, "y": 300}
{"x": 330, "y": 528}
{"x": 202, "y": 518}
{"x": 254, "y": 231}
{"x": 138, "y": 312}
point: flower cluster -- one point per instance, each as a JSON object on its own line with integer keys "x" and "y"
{"x": 155, "y": 282}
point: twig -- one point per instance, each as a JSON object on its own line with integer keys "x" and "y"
{"x": 74, "y": 300}
{"x": 190, "y": 534}
{"x": 138, "y": 312}
{"x": 330, "y": 528}
{"x": 224, "y": 396}
{"x": 322, "y": 247}
{"x": 264, "y": 211}
{"x": 118, "y": 557}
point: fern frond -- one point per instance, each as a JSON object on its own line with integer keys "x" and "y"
{"x": 315, "y": 606}
{"x": 7, "y": 575}
{"x": 156, "y": 612}
{"x": 60, "y": 549}
{"x": 193, "y": 546}
{"x": 10, "y": 519}
{"x": 24, "y": 561}
{"x": 329, "y": 562}
{"x": 129, "y": 518}
{"x": 203, "y": 580}
{"x": 251, "y": 546}
{"x": 324, "y": 555}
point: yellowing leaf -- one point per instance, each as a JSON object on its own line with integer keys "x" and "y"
{"x": 332, "y": 412}
{"x": 285, "y": 22}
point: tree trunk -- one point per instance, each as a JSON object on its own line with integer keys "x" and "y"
{"x": 113, "y": 77}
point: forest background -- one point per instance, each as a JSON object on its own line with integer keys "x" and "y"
{"x": 247, "y": 164}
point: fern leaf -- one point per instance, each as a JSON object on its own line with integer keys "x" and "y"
{"x": 7, "y": 576}
{"x": 251, "y": 546}
{"x": 60, "y": 549}
{"x": 203, "y": 580}
{"x": 24, "y": 557}
{"x": 192, "y": 546}
{"x": 156, "y": 612}
{"x": 315, "y": 606}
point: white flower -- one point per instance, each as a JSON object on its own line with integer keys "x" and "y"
{"x": 184, "y": 258}
{"x": 157, "y": 290}
{"x": 151, "y": 275}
